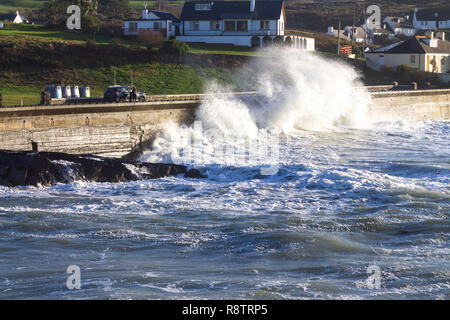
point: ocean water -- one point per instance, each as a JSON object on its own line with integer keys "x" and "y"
{"x": 348, "y": 194}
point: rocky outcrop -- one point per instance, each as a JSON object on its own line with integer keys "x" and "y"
{"x": 48, "y": 168}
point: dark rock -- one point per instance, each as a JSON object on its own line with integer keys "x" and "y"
{"x": 194, "y": 173}
{"x": 17, "y": 177}
{"x": 48, "y": 168}
{"x": 3, "y": 170}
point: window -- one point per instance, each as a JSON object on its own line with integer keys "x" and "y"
{"x": 169, "y": 26}
{"x": 214, "y": 25}
{"x": 230, "y": 25}
{"x": 195, "y": 25}
{"x": 202, "y": 6}
{"x": 264, "y": 24}
{"x": 413, "y": 59}
{"x": 157, "y": 25}
{"x": 242, "y": 25}
{"x": 133, "y": 26}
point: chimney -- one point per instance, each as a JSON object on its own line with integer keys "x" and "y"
{"x": 441, "y": 35}
{"x": 252, "y": 5}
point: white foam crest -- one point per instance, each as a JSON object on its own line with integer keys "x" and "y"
{"x": 297, "y": 90}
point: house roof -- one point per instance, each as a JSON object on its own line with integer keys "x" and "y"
{"x": 11, "y": 17}
{"x": 358, "y": 32}
{"x": 429, "y": 14}
{"x": 267, "y": 10}
{"x": 418, "y": 45}
{"x": 165, "y": 15}
{"x": 400, "y": 22}
{"x": 342, "y": 35}
{"x": 7, "y": 17}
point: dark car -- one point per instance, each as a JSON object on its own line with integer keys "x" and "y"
{"x": 122, "y": 94}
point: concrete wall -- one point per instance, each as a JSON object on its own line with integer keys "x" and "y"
{"x": 119, "y": 129}
{"x": 417, "y": 105}
{"x": 109, "y": 130}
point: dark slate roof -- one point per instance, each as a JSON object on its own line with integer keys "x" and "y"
{"x": 429, "y": 14}
{"x": 11, "y": 17}
{"x": 165, "y": 15}
{"x": 264, "y": 10}
{"x": 7, "y": 17}
{"x": 405, "y": 24}
{"x": 417, "y": 45}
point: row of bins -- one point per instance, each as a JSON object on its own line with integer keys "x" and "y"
{"x": 68, "y": 92}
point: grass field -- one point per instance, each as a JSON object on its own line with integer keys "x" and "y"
{"x": 13, "y": 5}
{"x": 39, "y": 32}
{"x": 152, "y": 78}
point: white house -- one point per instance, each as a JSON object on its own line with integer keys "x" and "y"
{"x": 14, "y": 18}
{"x": 240, "y": 23}
{"x": 431, "y": 19}
{"x": 341, "y": 33}
{"x": 401, "y": 26}
{"x": 428, "y": 54}
{"x": 160, "y": 22}
{"x": 357, "y": 33}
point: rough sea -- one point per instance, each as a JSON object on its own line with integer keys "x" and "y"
{"x": 356, "y": 209}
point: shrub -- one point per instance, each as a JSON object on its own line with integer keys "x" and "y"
{"x": 91, "y": 44}
{"x": 150, "y": 38}
{"x": 174, "y": 48}
{"x": 90, "y": 24}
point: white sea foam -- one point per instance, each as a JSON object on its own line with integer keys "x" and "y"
{"x": 297, "y": 90}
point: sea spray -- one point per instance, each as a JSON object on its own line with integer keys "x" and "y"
{"x": 296, "y": 90}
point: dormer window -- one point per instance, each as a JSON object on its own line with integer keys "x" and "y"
{"x": 202, "y": 6}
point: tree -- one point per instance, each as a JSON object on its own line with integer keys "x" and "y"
{"x": 56, "y": 10}
{"x": 114, "y": 9}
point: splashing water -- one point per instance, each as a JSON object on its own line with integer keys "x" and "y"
{"x": 296, "y": 90}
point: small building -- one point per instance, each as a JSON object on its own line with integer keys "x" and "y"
{"x": 14, "y": 18}
{"x": 400, "y": 26}
{"x": 163, "y": 23}
{"x": 341, "y": 33}
{"x": 358, "y": 34}
{"x": 431, "y": 19}
{"x": 428, "y": 54}
{"x": 240, "y": 23}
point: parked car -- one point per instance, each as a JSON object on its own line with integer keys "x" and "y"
{"x": 122, "y": 94}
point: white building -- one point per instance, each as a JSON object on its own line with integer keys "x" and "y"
{"x": 431, "y": 19}
{"x": 160, "y": 22}
{"x": 240, "y": 23}
{"x": 400, "y": 26}
{"x": 356, "y": 33}
{"x": 428, "y": 54}
{"x": 14, "y": 18}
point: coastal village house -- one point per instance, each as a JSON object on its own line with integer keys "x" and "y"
{"x": 14, "y": 18}
{"x": 162, "y": 23}
{"x": 240, "y": 23}
{"x": 431, "y": 19}
{"x": 349, "y": 33}
{"x": 430, "y": 54}
{"x": 400, "y": 26}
